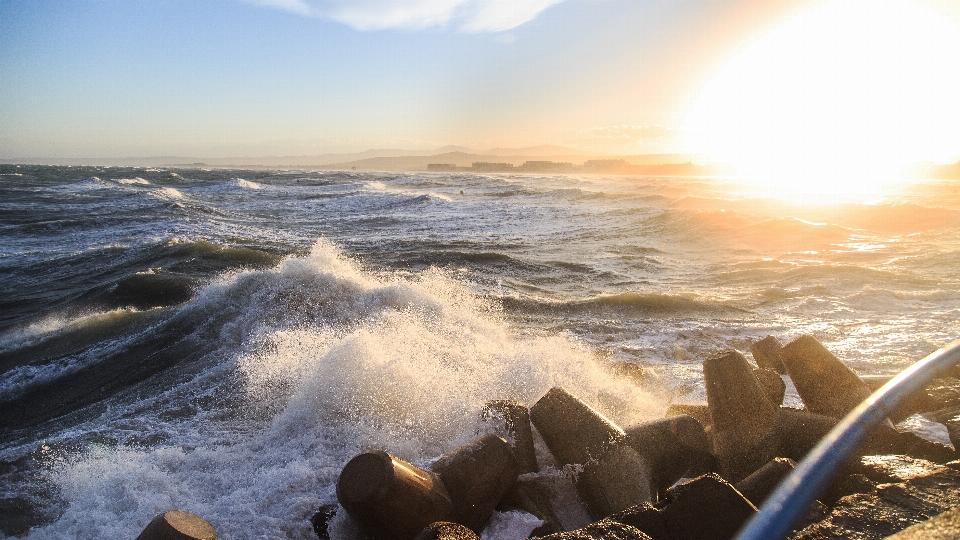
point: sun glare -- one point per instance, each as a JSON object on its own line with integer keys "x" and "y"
{"x": 840, "y": 100}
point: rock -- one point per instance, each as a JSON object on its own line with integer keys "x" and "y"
{"x": 531, "y": 497}
{"x": 911, "y": 491}
{"x": 604, "y": 530}
{"x": 744, "y": 421}
{"x": 178, "y": 525}
{"x": 848, "y": 484}
{"x": 645, "y": 517}
{"x": 390, "y": 499}
{"x": 772, "y": 383}
{"x": 477, "y": 475}
{"x": 766, "y": 352}
{"x": 890, "y": 469}
{"x": 614, "y": 475}
{"x": 945, "y": 526}
{"x": 698, "y": 411}
{"x": 825, "y": 384}
{"x": 321, "y": 519}
{"x": 799, "y": 431}
{"x": 444, "y": 530}
{"x": 759, "y": 485}
{"x": 511, "y": 421}
{"x": 673, "y": 447}
{"x": 705, "y": 508}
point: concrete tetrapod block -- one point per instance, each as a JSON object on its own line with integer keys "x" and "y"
{"x": 390, "y": 499}
{"x": 178, "y": 525}
{"x": 824, "y": 383}
{"x": 673, "y": 447}
{"x": 614, "y": 475}
{"x": 799, "y": 431}
{"x": 533, "y": 498}
{"x": 743, "y": 418}
{"x": 511, "y": 420}
{"x": 759, "y": 485}
{"x": 705, "y": 508}
{"x": 698, "y": 411}
{"x": 445, "y": 530}
{"x": 477, "y": 475}
{"x": 772, "y": 383}
{"x": 767, "y": 354}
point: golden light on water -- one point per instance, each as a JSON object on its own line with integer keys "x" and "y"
{"x": 837, "y": 101}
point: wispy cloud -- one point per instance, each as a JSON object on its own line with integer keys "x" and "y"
{"x": 474, "y": 16}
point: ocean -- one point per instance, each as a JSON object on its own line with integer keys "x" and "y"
{"x": 224, "y": 341}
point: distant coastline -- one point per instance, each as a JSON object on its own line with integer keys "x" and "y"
{"x": 537, "y": 159}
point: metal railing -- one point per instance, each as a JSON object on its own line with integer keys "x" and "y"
{"x": 792, "y": 498}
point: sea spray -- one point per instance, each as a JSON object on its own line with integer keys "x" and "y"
{"x": 350, "y": 359}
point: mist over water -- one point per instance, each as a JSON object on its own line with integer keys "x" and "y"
{"x": 224, "y": 341}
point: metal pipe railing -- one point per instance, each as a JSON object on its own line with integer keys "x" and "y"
{"x": 792, "y": 498}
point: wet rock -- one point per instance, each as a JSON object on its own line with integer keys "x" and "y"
{"x": 511, "y": 421}
{"x": 388, "y": 498}
{"x": 824, "y": 383}
{"x": 645, "y": 517}
{"x": 445, "y": 530}
{"x": 744, "y": 420}
{"x": 910, "y": 491}
{"x": 916, "y": 446}
{"x": 477, "y": 475}
{"x": 321, "y": 519}
{"x": 772, "y": 383}
{"x": 674, "y": 447}
{"x": 766, "y": 353}
{"x": 614, "y": 475}
{"x": 848, "y": 484}
{"x": 891, "y": 469}
{"x": 178, "y": 525}
{"x": 698, "y": 411}
{"x": 604, "y": 530}
{"x": 531, "y": 497}
{"x": 705, "y": 508}
{"x": 759, "y": 485}
{"x": 945, "y": 526}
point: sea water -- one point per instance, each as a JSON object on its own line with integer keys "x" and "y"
{"x": 224, "y": 341}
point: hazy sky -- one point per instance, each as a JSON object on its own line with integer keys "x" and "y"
{"x": 115, "y": 78}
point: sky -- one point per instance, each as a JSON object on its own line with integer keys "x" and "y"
{"x": 222, "y": 78}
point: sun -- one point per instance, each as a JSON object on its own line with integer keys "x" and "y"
{"x": 837, "y": 101}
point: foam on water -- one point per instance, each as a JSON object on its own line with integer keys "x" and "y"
{"x": 132, "y": 181}
{"x": 350, "y": 359}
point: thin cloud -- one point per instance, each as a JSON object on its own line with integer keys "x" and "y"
{"x": 474, "y": 16}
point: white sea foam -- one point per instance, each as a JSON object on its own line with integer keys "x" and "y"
{"x": 132, "y": 181}
{"x": 167, "y": 193}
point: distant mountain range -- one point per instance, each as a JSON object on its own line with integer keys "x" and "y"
{"x": 375, "y": 159}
